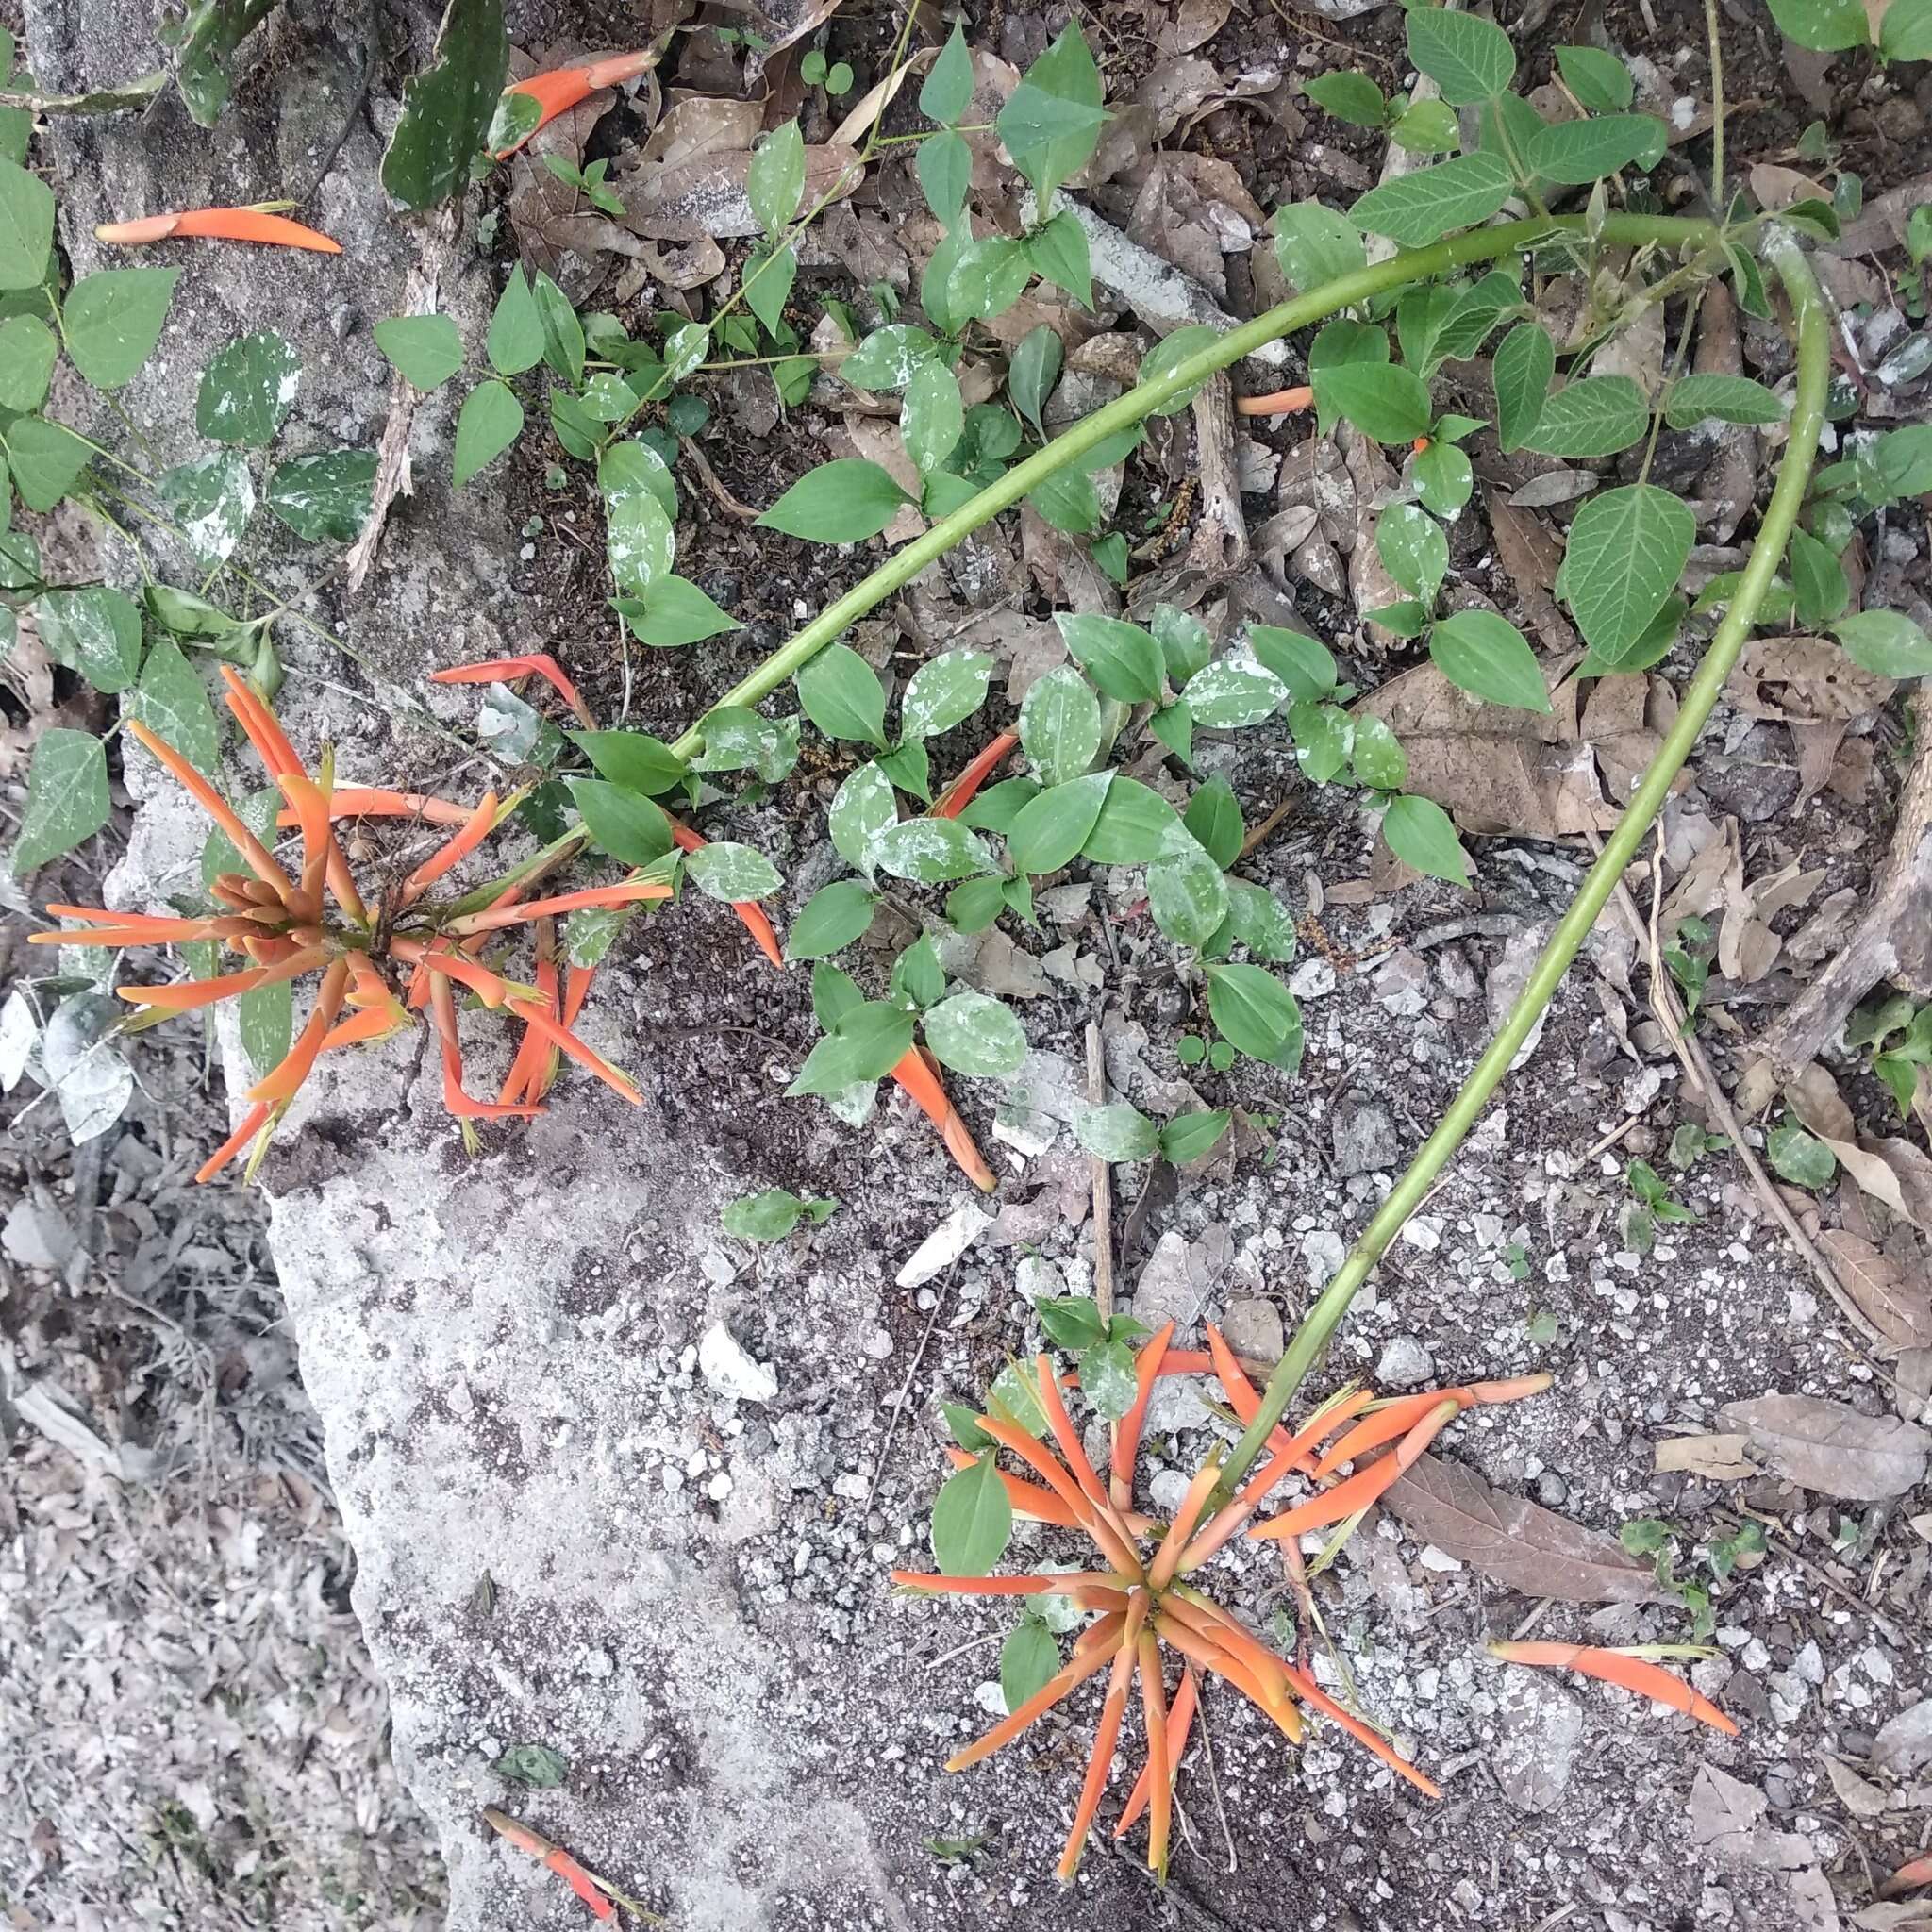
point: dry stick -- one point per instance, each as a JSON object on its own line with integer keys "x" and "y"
{"x": 1670, "y": 1013}
{"x": 1773, "y": 535}
{"x": 939, "y": 1301}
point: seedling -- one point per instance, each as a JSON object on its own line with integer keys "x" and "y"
{"x": 1144, "y": 1604}
{"x": 1653, "y": 1201}
{"x": 1688, "y": 959}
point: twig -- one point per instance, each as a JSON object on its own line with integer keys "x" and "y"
{"x": 899, "y": 1401}
{"x": 1103, "y": 1186}
{"x": 1264, "y": 828}
{"x": 1690, "y": 1056}
{"x": 1611, "y": 1139}
{"x": 714, "y": 483}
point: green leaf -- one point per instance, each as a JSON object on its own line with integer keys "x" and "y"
{"x": 1414, "y": 550}
{"x": 933, "y": 417}
{"x": 973, "y": 906}
{"x": 1303, "y": 663}
{"x": 1230, "y": 697}
{"x": 1724, "y": 398}
{"x": 266, "y": 1015}
{"x": 1418, "y": 208}
{"x": 427, "y": 349}
{"x": 1108, "y": 1379}
{"x": 1031, "y": 1654}
{"x": 1068, "y": 501}
{"x": 210, "y": 499}
{"x": 212, "y": 32}
{"x": 1173, "y": 726}
{"x": 842, "y": 697}
{"x": 1420, "y": 316}
{"x": 1324, "y": 735}
{"x": 46, "y": 459}
{"x": 640, "y": 544}
{"x": 1825, "y": 27}
{"x": 1255, "y": 1013}
{"x": 1260, "y": 921}
{"x": 840, "y": 502}
{"x": 633, "y": 759}
{"x": 1479, "y": 310}
{"x": 944, "y": 691}
{"x": 1802, "y": 1159}
{"x": 1059, "y": 253}
{"x": 1187, "y": 895}
{"x": 931, "y": 851}
{"x": 862, "y": 808}
{"x": 1487, "y": 656}
{"x": 536, "y": 1765}
{"x": 563, "y": 334}
{"x": 890, "y": 357}
{"x": 624, "y": 824}
{"x": 1118, "y": 1132}
{"x": 172, "y": 701}
{"x": 1445, "y": 478}
{"x": 1422, "y": 834}
{"x": 918, "y": 978}
{"x": 1133, "y": 826}
{"x": 1386, "y": 403}
{"x": 1351, "y": 98}
{"x": 1186, "y": 644}
{"x": 1627, "y": 548}
{"x": 28, "y": 355}
{"x": 972, "y": 1519}
{"x": 774, "y": 180}
{"x": 1818, "y": 581}
{"x": 1580, "y": 152}
{"x": 93, "y": 631}
{"x": 1524, "y": 363}
{"x": 944, "y": 163}
{"x": 1886, "y": 641}
{"x": 1594, "y": 416}
{"x": 1405, "y": 618}
{"x": 947, "y": 92}
{"x": 66, "y": 797}
{"x": 1427, "y": 127}
{"x": 1470, "y": 59}
{"x": 1600, "y": 81}
{"x": 515, "y": 342}
{"x": 1051, "y": 122}
{"x": 675, "y": 611}
{"x": 1191, "y": 1136}
{"x": 1214, "y": 818}
{"x": 324, "y": 497}
{"x": 770, "y": 1216}
{"x": 1059, "y": 725}
{"x": 733, "y": 872}
{"x": 1906, "y": 33}
{"x": 247, "y": 390}
{"x": 447, "y": 109}
{"x": 1902, "y": 458}
{"x": 1377, "y": 756}
{"x": 988, "y": 277}
{"x": 1031, "y": 372}
{"x": 1167, "y": 355}
{"x": 976, "y": 1034}
{"x": 1315, "y": 246}
{"x": 833, "y": 995}
{"x": 1122, "y": 660}
{"x": 866, "y": 1043}
{"x": 1053, "y": 827}
{"x": 112, "y": 319}
{"x": 635, "y": 469}
{"x": 26, "y": 228}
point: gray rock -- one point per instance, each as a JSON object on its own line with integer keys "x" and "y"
{"x": 1905, "y": 1744}
{"x": 1539, "y": 1724}
{"x": 1253, "y": 1327}
{"x": 1402, "y": 984}
{"x": 729, "y": 1369}
{"x": 1405, "y": 1364}
{"x": 1364, "y": 1138}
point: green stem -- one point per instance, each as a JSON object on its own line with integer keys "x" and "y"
{"x": 1774, "y": 534}
{"x": 1410, "y": 265}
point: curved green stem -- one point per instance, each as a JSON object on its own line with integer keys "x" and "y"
{"x": 1774, "y": 534}
{"x": 1410, "y": 265}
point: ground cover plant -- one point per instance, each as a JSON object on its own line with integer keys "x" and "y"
{"x": 1103, "y": 775}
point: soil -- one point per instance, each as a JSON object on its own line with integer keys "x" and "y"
{"x": 1564, "y": 1802}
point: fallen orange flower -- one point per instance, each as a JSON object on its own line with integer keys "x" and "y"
{"x": 559, "y": 90}
{"x": 217, "y": 224}
{"x": 920, "y": 1078}
{"x": 965, "y": 787}
{"x": 586, "y": 1887}
{"x": 531, "y": 664}
{"x": 1284, "y": 402}
{"x": 1626, "y": 1672}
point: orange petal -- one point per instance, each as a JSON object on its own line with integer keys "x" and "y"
{"x": 452, "y": 851}
{"x": 285, "y": 1079}
{"x": 1627, "y": 1672}
{"x": 252, "y": 1123}
{"x": 1090, "y": 1657}
{"x": 219, "y": 224}
{"x": 259, "y": 860}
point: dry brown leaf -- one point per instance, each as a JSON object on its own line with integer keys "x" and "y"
{"x": 1716, "y": 1458}
{"x": 1624, "y": 720}
{"x": 1803, "y": 679}
{"x": 1530, "y": 558}
{"x": 1830, "y": 1448}
{"x": 695, "y": 125}
{"x": 1897, "y": 1306}
{"x": 1813, "y": 1096}
{"x": 1777, "y": 187}
{"x": 1870, "y": 1172}
{"x": 1552, "y": 488}
{"x": 1862, "y": 1800}
{"x": 1516, "y": 1543}
{"x": 1189, "y": 25}
{"x": 880, "y": 443}
{"x": 1496, "y": 771}
{"x": 706, "y": 196}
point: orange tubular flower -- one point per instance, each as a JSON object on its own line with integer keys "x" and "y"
{"x": 560, "y": 89}
{"x": 531, "y": 664}
{"x": 260, "y": 861}
{"x": 217, "y": 224}
{"x": 1145, "y": 1607}
{"x": 1626, "y": 1672}
{"x": 452, "y": 853}
{"x": 919, "y": 1076}
{"x": 965, "y": 787}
